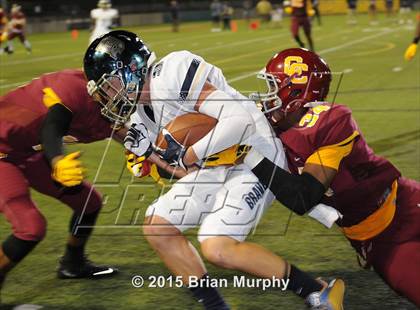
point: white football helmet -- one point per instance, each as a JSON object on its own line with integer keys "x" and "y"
{"x": 104, "y": 4}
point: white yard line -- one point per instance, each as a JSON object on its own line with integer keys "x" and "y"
{"x": 234, "y": 79}
{"x": 69, "y": 55}
{"x": 322, "y": 52}
{"x": 238, "y": 43}
{"x": 30, "y": 60}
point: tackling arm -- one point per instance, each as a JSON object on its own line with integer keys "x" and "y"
{"x": 300, "y": 193}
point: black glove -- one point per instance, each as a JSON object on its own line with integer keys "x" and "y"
{"x": 175, "y": 151}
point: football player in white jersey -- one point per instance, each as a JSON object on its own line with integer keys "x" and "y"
{"x": 224, "y": 201}
{"x": 103, "y": 17}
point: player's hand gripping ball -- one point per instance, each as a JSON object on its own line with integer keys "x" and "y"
{"x": 68, "y": 170}
{"x": 175, "y": 151}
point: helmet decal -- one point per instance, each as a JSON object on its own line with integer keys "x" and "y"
{"x": 293, "y": 65}
{"x": 111, "y": 46}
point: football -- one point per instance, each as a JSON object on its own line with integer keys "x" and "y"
{"x": 187, "y": 129}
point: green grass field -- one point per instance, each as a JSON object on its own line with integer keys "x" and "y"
{"x": 381, "y": 89}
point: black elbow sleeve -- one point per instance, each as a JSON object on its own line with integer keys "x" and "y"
{"x": 308, "y": 192}
{"x": 54, "y": 127}
{"x": 299, "y": 193}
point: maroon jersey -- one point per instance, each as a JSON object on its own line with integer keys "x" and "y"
{"x": 17, "y": 21}
{"x": 363, "y": 180}
{"x": 23, "y": 110}
{"x": 298, "y": 7}
{"x": 3, "y": 20}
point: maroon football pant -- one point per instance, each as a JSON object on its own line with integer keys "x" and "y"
{"x": 19, "y": 34}
{"x": 395, "y": 253}
{"x": 300, "y": 21}
{"x": 19, "y": 209}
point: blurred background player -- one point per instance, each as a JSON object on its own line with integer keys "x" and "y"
{"x": 299, "y": 19}
{"x": 247, "y": 11}
{"x": 277, "y": 15}
{"x": 227, "y": 14}
{"x": 264, "y": 9}
{"x": 3, "y": 28}
{"x": 35, "y": 119}
{"x": 412, "y": 48}
{"x": 16, "y": 28}
{"x": 406, "y": 6}
{"x": 174, "y": 11}
{"x": 216, "y": 9}
{"x": 372, "y": 12}
{"x": 389, "y": 7}
{"x": 351, "y": 13}
{"x": 317, "y": 13}
{"x": 104, "y": 17}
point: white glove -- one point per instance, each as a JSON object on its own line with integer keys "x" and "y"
{"x": 324, "y": 214}
{"x": 137, "y": 140}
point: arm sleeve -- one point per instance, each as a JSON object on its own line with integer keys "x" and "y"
{"x": 55, "y": 126}
{"x": 234, "y": 125}
{"x": 299, "y": 193}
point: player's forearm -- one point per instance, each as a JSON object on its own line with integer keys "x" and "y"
{"x": 55, "y": 126}
{"x": 175, "y": 171}
{"x": 299, "y": 193}
{"x": 234, "y": 125}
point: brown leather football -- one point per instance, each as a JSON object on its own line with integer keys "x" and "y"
{"x": 187, "y": 129}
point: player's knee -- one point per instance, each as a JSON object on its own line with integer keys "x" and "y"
{"x": 219, "y": 251}
{"x": 95, "y": 202}
{"x": 36, "y": 227}
{"x": 159, "y": 232}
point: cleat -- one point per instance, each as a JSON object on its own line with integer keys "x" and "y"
{"x": 330, "y": 298}
{"x": 8, "y": 50}
{"x": 84, "y": 268}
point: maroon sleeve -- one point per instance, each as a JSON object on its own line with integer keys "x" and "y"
{"x": 70, "y": 87}
{"x": 87, "y": 124}
{"x": 334, "y": 126}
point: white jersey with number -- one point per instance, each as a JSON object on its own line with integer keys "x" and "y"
{"x": 103, "y": 21}
{"x": 175, "y": 85}
{"x": 223, "y": 200}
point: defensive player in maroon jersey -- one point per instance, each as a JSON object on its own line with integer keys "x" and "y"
{"x": 34, "y": 119}
{"x": 299, "y": 19}
{"x": 331, "y": 163}
{"x": 16, "y": 28}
